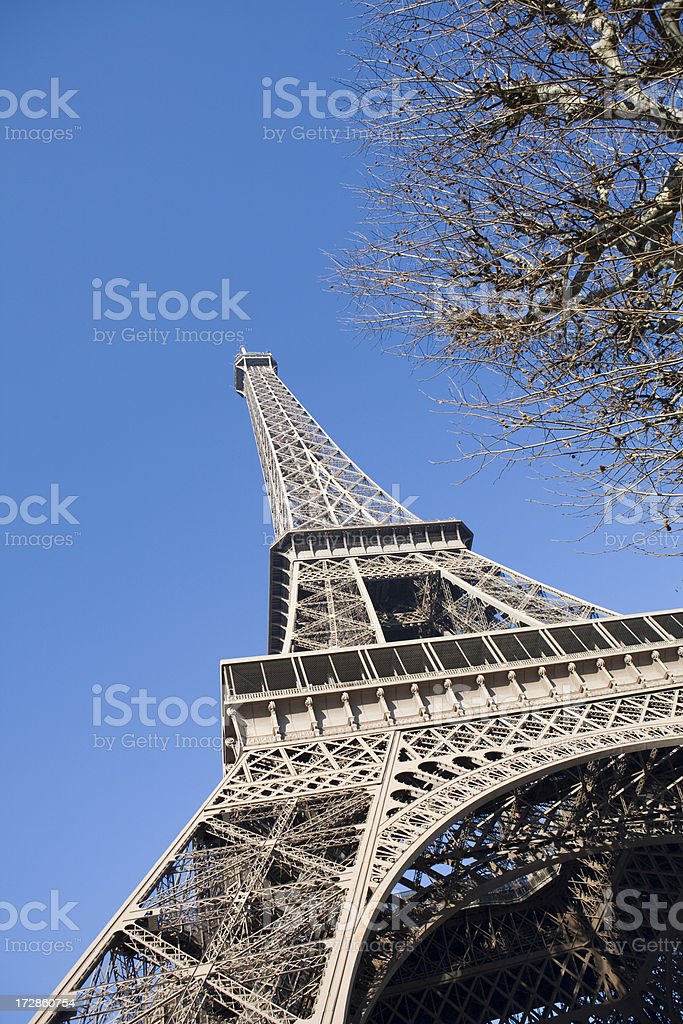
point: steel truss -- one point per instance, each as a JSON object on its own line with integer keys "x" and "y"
{"x": 434, "y": 787}
{"x": 319, "y": 870}
{"x": 310, "y": 481}
{"x": 336, "y": 581}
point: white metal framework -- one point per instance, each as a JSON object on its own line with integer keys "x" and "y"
{"x": 351, "y": 565}
{"x": 311, "y": 483}
{"x": 434, "y": 787}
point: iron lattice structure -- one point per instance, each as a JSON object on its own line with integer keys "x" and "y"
{"x": 437, "y": 784}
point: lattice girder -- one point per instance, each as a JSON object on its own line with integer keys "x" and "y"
{"x": 311, "y": 483}
{"x": 317, "y": 492}
{"x": 260, "y": 911}
{"x": 518, "y": 846}
{"x": 433, "y": 729}
{"x": 547, "y": 958}
{"x": 348, "y": 600}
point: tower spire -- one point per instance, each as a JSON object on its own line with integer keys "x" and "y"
{"x": 350, "y": 565}
{"x": 311, "y": 482}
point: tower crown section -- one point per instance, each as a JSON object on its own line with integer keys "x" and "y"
{"x": 349, "y": 564}
{"x": 248, "y": 360}
{"x": 311, "y": 483}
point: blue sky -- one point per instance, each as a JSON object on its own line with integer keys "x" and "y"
{"x": 168, "y": 180}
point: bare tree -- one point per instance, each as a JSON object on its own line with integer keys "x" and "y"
{"x": 524, "y": 230}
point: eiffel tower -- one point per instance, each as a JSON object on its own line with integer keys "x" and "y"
{"x": 438, "y": 787}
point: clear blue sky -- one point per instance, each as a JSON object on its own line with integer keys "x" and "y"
{"x": 168, "y": 180}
